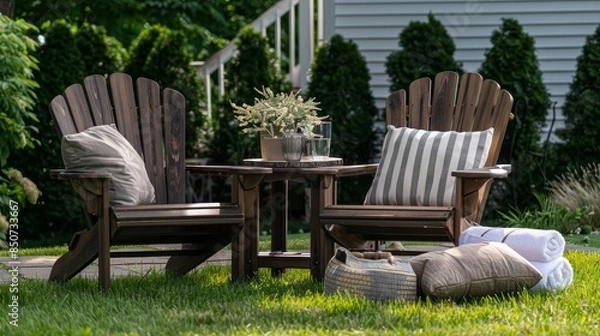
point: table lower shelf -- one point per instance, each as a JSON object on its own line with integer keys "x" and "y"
{"x": 284, "y": 259}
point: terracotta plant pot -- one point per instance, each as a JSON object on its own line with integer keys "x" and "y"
{"x": 271, "y": 149}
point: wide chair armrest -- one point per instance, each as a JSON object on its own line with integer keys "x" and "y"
{"x": 62, "y": 174}
{"x": 497, "y": 171}
{"x": 223, "y": 170}
{"x": 353, "y": 170}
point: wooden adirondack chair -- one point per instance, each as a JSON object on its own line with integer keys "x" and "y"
{"x": 153, "y": 122}
{"x": 473, "y": 104}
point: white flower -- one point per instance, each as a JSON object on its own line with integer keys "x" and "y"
{"x": 277, "y": 113}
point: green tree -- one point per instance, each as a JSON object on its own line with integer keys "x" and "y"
{"x": 340, "y": 81}
{"x": 427, "y": 49}
{"x": 159, "y": 53}
{"x": 207, "y": 24}
{"x": 17, "y": 100}
{"x": 102, "y": 54}
{"x": 581, "y": 133}
{"x": 512, "y": 62}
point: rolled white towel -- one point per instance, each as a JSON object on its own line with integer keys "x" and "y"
{"x": 556, "y": 275}
{"x": 533, "y": 244}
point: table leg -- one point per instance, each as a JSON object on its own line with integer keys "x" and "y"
{"x": 279, "y": 220}
{"x": 244, "y": 252}
{"x": 321, "y": 245}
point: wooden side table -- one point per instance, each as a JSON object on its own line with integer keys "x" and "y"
{"x": 321, "y": 177}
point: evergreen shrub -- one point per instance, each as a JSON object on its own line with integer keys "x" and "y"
{"x": 340, "y": 81}
{"x": 512, "y": 62}
{"x": 581, "y": 133}
{"x": 427, "y": 49}
{"x": 160, "y": 53}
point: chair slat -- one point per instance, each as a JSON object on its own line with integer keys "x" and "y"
{"x": 419, "y": 108}
{"x": 467, "y": 101}
{"x": 121, "y": 88}
{"x": 501, "y": 115}
{"x": 61, "y": 115}
{"x": 152, "y": 145}
{"x": 396, "y": 108}
{"x": 98, "y": 98}
{"x": 443, "y": 102}
{"x": 487, "y": 104}
{"x": 174, "y": 126}
{"x": 78, "y": 106}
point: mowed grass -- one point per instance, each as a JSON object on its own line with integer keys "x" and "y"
{"x": 296, "y": 242}
{"x": 205, "y": 302}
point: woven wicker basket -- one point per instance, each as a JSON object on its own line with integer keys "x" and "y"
{"x": 379, "y": 280}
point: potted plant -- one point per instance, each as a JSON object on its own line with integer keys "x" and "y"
{"x": 275, "y": 116}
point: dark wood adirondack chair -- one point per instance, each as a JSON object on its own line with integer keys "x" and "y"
{"x": 153, "y": 122}
{"x": 473, "y": 104}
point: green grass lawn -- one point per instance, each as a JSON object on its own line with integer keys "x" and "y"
{"x": 205, "y": 302}
{"x": 298, "y": 241}
{"x": 590, "y": 241}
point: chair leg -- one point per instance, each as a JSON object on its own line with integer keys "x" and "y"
{"x": 180, "y": 265}
{"x": 82, "y": 252}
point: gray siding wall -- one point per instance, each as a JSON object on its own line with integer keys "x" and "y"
{"x": 558, "y": 27}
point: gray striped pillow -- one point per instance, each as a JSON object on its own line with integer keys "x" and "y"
{"x": 415, "y": 165}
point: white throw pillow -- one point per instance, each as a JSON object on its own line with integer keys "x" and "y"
{"x": 102, "y": 149}
{"x": 415, "y": 165}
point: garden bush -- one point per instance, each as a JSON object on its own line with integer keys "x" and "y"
{"x": 512, "y": 62}
{"x": 101, "y": 54}
{"x": 579, "y": 191}
{"x": 17, "y": 101}
{"x": 581, "y": 133}
{"x": 427, "y": 49}
{"x": 159, "y": 53}
{"x": 340, "y": 81}
{"x": 545, "y": 215}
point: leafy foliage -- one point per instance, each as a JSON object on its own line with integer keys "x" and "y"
{"x": 427, "y": 49}
{"x": 102, "y": 54}
{"x": 17, "y": 100}
{"x": 579, "y": 191}
{"x": 17, "y": 85}
{"x": 512, "y": 62}
{"x": 546, "y": 215}
{"x": 159, "y": 53}
{"x": 340, "y": 80}
{"x": 581, "y": 133}
{"x": 207, "y": 24}
{"x": 123, "y": 19}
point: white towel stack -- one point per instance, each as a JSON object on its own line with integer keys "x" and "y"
{"x": 542, "y": 248}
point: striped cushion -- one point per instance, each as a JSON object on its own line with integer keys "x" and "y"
{"x": 415, "y": 165}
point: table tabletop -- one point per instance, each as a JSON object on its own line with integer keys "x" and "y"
{"x": 258, "y": 162}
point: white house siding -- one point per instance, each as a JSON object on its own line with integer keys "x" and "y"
{"x": 558, "y": 27}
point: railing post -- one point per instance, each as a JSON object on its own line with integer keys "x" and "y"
{"x": 306, "y": 41}
{"x": 292, "y": 44}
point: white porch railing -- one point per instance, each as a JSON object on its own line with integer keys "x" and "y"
{"x": 302, "y": 42}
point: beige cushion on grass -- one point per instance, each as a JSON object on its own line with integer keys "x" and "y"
{"x": 415, "y": 165}
{"x": 102, "y": 149}
{"x": 473, "y": 270}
